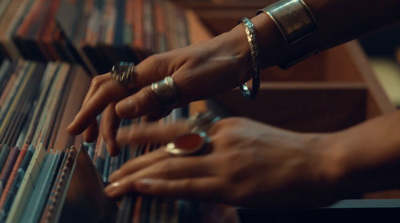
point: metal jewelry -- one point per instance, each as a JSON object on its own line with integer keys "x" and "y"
{"x": 188, "y": 144}
{"x": 123, "y": 73}
{"x": 166, "y": 91}
{"x": 201, "y": 122}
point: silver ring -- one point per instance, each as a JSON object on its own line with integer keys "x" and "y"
{"x": 123, "y": 73}
{"x": 201, "y": 122}
{"x": 166, "y": 91}
{"x": 188, "y": 144}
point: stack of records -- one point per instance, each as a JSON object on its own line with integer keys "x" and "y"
{"x": 38, "y": 160}
{"x": 43, "y": 176}
{"x": 28, "y": 30}
{"x": 106, "y": 32}
{"x": 47, "y": 175}
{"x": 93, "y": 33}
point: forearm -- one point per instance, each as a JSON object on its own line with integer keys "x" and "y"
{"x": 366, "y": 157}
{"x": 337, "y": 21}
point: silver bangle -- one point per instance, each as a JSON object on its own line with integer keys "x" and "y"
{"x": 255, "y": 61}
{"x": 296, "y": 22}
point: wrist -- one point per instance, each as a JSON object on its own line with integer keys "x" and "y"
{"x": 327, "y": 170}
{"x": 241, "y": 49}
{"x": 271, "y": 44}
{"x": 355, "y": 165}
{"x": 269, "y": 41}
{"x": 334, "y": 167}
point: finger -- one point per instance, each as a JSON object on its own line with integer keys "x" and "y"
{"x": 104, "y": 89}
{"x": 91, "y": 132}
{"x": 153, "y": 68}
{"x": 94, "y": 85}
{"x": 138, "y": 163}
{"x": 165, "y": 167}
{"x": 151, "y": 132}
{"x": 144, "y": 102}
{"x": 109, "y": 126}
{"x": 106, "y": 93}
{"x": 204, "y": 188}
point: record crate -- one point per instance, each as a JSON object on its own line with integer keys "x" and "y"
{"x": 326, "y": 92}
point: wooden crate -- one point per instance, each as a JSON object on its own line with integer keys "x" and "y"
{"x": 327, "y": 92}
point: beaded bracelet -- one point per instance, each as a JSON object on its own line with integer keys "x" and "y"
{"x": 255, "y": 63}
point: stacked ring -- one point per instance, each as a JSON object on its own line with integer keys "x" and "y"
{"x": 167, "y": 92}
{"x": 123, "y": 73}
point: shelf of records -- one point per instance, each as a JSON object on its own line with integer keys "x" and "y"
{"x": 47, "y": 175}
{"x": 94, "y": 33}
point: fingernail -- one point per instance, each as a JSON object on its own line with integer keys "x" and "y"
{"x": 111, "y": 189}
{"x": 146, "y": 183}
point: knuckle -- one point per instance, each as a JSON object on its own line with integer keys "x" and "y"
{"x": 152, "y": 59}
{"x": 147, "y": 102}
{"x": 231, "y": 159}
{"x": 97, "y": 81}
{"x": 166, "y": 168}
{"x": 233, "y": 121}
{"x": 227, "y": 123}
{"x": 131, "y": 133}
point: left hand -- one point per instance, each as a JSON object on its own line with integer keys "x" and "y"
{"x": 199, "y": 71}
{"x": 251, "y": 164}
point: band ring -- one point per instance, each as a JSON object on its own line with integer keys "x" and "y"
{"x": 123, "y": 73}
{"x": 166, "y": 91}
{"x": 188, "y": 144}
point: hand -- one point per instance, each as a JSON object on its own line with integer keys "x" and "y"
{"x": 199, "y": 71}
{"x": 250, "y": 164}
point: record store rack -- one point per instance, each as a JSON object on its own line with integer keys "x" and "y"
{"x": 50, "y": 49}
{"x": 93, "y": 33}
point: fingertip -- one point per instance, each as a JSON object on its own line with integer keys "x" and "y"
{"x": 79, "y": 125}
{"x": 113, "y": 190}
{"x": 91, "y": 132}
{"x": 122, "y": 136}
{"x": 71, "y": 129}
{"x": 113, "y": 149}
